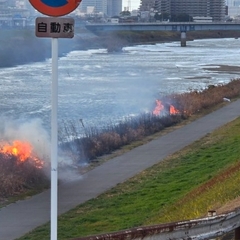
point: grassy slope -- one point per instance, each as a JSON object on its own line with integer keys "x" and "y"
{"x": 150, "y": 196}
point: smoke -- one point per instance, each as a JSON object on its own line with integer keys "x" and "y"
{"x": 31, "y": 131}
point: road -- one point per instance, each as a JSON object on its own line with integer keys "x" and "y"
{"x": 23, "y": 216}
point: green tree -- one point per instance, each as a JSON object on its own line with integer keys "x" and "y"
{"x": 125, "y": 14}
{"x": 164, "y": 16}
{"x": 158, "y": 17}
{"x": 182, "y": 17}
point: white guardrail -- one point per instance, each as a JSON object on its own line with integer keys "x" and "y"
{"x": 203, "y": 228}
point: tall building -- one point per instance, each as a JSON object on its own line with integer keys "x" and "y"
{"x": 147, "y": 5}
{"x": 233, "y": 7}
{"x": 217, "y": 10}
{"x": 195, "y": 8}
{"x": 107, "y": 7}
{"x": 114, "y": 7}
{"x": 96, "y": 6}
{"x": 12, "y": 15}
{"x": 163, "y": 6}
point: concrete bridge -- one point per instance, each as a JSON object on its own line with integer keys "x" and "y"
{"x": 182, "y": 27}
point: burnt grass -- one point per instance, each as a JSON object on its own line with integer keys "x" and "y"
{"x": 23, "y": 178}
{"x": 98, "y": 142}
{"x": 18, "y": 177}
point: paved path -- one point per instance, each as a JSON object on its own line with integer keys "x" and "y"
{"x": 23, "y": 216}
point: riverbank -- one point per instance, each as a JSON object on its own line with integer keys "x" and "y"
{"x": 21, "y": 46}
{"x": 116, "y": 41}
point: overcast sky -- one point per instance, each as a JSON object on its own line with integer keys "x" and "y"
{"x": 134, "y": 4}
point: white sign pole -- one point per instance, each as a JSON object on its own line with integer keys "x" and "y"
{"x": 54, "y": 141}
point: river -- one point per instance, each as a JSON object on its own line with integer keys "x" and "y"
{"x": 101, "y": 88}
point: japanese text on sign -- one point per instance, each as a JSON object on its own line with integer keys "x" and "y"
{"x": 55, "y": 27}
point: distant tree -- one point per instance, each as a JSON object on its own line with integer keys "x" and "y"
{"x": 158, "y": 17}
{"x": 182, "y": 17}
{"x": 125, "y": 14}
{"x": 164, "y": 16}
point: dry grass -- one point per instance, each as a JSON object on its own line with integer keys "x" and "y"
{"x": 19, "y": 177}
{"x": 97, "y": 143}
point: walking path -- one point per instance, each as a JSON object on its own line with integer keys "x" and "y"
{"x": 23, "y": 216}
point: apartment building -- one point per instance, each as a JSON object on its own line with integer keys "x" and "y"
{"x": 11, "y": 15}
{"x": 114, "y": 7}
{"x": 233, "y": 7}
{"x": 195, "y": 8}
{"x": 217, "y": 10}
{"x": 147, "y": 5}
{"x": 94, "y": 6}
{"x": 106, "y": 7}
{"x": 191, "y": 7}
{"x": 163, "y": 6}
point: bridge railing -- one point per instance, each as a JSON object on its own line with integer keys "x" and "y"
{"x": 170, "y": 26}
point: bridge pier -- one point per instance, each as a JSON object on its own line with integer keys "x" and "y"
{"x": 183, "y": 39}
{"x": 237, "y": 234}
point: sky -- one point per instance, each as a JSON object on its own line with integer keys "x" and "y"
{"x": 134, "y": 4}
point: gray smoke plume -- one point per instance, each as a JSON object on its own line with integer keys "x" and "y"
{"x": 33, "y": 132}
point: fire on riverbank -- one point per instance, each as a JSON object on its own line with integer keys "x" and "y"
{"x": 164, "y": 108}
{"x": 20, "y": 167}
{"x": 168, "y": 111}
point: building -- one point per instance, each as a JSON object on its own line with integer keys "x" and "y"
{"x": 11, "y": 15}
{"x": 114, "y": 7}
{"x": 147, "y": 5}
{"x": 195, "y": 8}
{"x": 106, "y": 7}
{"x": 203, "y": 8}
{"x": 217, "y": 10}
{"x": 200, "y": 8}
{"x": 163, "y": 6}
{"x": 98, "y": 6}
{"x": 233, "y": 7}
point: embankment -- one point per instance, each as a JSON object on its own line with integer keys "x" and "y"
{"x": 21, "y": 46}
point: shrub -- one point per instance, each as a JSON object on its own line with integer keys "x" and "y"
{"x": 17, "y": 177}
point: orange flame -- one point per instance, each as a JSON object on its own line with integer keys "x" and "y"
{"x": 160, "y": 107}
{"x": 22, "y": 150}
{"x": 173, "y": 110}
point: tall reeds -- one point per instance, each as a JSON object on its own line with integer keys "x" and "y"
{"x": 16, "y": 177}
{"x": 88, "y": 143}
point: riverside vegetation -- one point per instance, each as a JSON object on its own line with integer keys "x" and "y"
{"x": 98, "y": 142}
{"x": 20, "y": 177}
{"x": 204, "y": 175}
